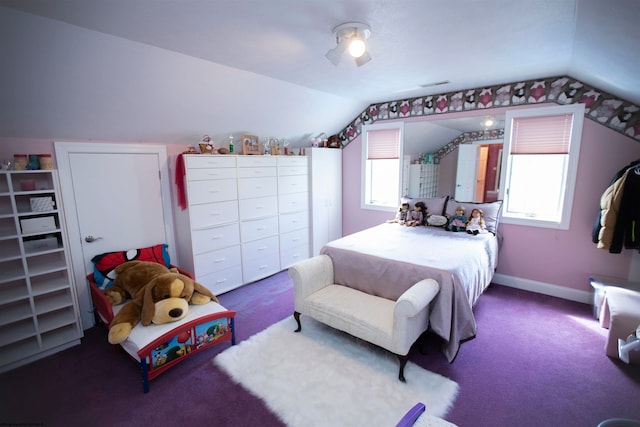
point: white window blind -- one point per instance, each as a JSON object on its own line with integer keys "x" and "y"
{"x": 542, "y": 135}
{"x": 383, "y": 144}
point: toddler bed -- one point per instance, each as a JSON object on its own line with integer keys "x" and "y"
{"x": 157, "y": 348}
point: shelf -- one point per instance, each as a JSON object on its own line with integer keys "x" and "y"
{"x": 60, "y": 336}
{"x": 56, "y": 319}
{"x": 15, "y": 312}
{"x": 38, "y": 305}
{"x": 18, "y": 350}
{"x": 11, "y": 270}
{"x": 13, "y": 291}
{"x": 51, "y": 302}
{"x": 8, "y": 227}
{"x": 47, "y": 263}
{"x": 17, "y": 331}
{"x": 50, "y": 282}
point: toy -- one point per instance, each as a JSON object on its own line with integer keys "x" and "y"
{"x": 401, "y": 216}
{"x": 417, "y": 215}
{"x": 457, "y": 222}
{"x": 631, "y": 343}
{"x": 158, "y": 295}
{"x": 476, "y": 223}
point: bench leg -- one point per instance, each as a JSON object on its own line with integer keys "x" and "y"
{"x": 296, "y": 316}
{"x": 403, "y": 362}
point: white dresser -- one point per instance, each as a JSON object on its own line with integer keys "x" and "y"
{"x": 258, "y": 201}
{"x": 293, "y": 206}
{"x": 247, "y": 218}
{"x": 208, "y": 231}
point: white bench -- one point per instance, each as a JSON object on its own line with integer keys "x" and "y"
{"x": 392, "y": 325}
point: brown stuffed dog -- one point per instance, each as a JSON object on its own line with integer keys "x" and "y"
{"x": 158, "y": 295}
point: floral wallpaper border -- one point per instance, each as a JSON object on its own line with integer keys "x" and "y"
{"x": 615, "y": 113}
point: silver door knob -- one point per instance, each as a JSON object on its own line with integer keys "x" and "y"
{"x": 90, "y": 239}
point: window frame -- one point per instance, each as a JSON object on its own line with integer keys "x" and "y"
{"x": 577, "y": 111}
{"x": 363, "y": 174}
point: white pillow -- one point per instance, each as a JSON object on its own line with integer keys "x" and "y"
{"x": 437, "y": 220}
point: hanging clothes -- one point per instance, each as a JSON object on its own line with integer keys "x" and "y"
{"x": 619, "y": 215}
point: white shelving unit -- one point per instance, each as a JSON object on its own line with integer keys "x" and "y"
{"x": 423, "y": 180}
{"x": 38, "y": 304}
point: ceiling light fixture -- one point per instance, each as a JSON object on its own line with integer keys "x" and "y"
{"x": 488, "y": 122}
{"x": 351, "y": 37}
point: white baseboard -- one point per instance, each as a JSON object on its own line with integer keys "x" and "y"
{"x": 543, "y": 288}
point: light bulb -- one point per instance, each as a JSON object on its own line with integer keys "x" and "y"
{"x": 357, "y": 48}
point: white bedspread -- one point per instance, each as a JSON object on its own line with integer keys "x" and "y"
{"x": 387, "y": 259}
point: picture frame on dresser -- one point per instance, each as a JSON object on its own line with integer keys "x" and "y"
{"x": 250, "y": 144}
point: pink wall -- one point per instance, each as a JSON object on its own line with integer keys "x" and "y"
{"x": 558, "y": 257}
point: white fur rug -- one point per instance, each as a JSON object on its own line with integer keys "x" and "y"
{"x": 323, "y": 377}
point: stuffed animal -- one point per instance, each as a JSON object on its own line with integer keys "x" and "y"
{"x": 158, "y": 295}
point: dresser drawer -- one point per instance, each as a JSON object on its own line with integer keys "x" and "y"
{"x": 204, "y": 161}
{"x": 212, "y": 191}
{"x": 256, "y": 161}
{"x": 211, "y": 173}
{"x": 210, "y": 239}
{"x": 256, "y": 229}
{"x": 293, "y": 161}
{"x": 292, "y": 254}
{"x": 293, "y": 221}
{"x": 210, "y": 214}
{"x": 294, "y": 238}
{"x": 223, "y": 280}
{"x": 249, "y": 188}
{"x": 260, "y": 248}
{"x": 256, "y": 172}
{"x": 293, "y": 184}
{"x": 258, "y": 208}
{"x": 293, "y": 202}
{"x": 213, "y": 261}
{"x": 293, "y": 170}
{"x": 259, "y": 268}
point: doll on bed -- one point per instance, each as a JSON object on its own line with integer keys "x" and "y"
{"x": 476, "y": 224}
{"x": 458, "y": 222}
{"x": 417, "y": 215}
{"x": 401, "y": 216}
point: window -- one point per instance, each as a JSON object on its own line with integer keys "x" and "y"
{"x": 541, "y": 162}
{"x": 381, "y": 165}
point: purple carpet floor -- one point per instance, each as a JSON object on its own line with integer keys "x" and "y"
{"x": 536, "y": 361}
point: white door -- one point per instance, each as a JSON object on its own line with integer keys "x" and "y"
{"x": 466, "y": 172}
{"x": 115, "y": 197}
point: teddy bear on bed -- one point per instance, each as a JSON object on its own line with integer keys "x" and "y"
{"x": 158, "y": 295}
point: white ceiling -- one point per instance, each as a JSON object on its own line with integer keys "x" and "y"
{"x": 413, "y": 42}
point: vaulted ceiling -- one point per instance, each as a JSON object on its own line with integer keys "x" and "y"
{"x": 413, "y": 43}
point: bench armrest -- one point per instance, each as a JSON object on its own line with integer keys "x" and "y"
{"x": 309, "y": 276}
{"x": 416, "y": 298}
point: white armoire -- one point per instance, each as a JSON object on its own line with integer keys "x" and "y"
{"x": 325, "y": 171}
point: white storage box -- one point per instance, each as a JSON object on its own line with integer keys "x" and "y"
{"x": 41, "y": 244}
{"x": 41, "y": 204}
{"x": 38, "y": 225}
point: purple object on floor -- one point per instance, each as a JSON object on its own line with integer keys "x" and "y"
{"x": 412, "y": 415}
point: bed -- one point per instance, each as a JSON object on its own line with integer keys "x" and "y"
{"x": 387, "y": 259}
{"x": 157, "y": 348}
